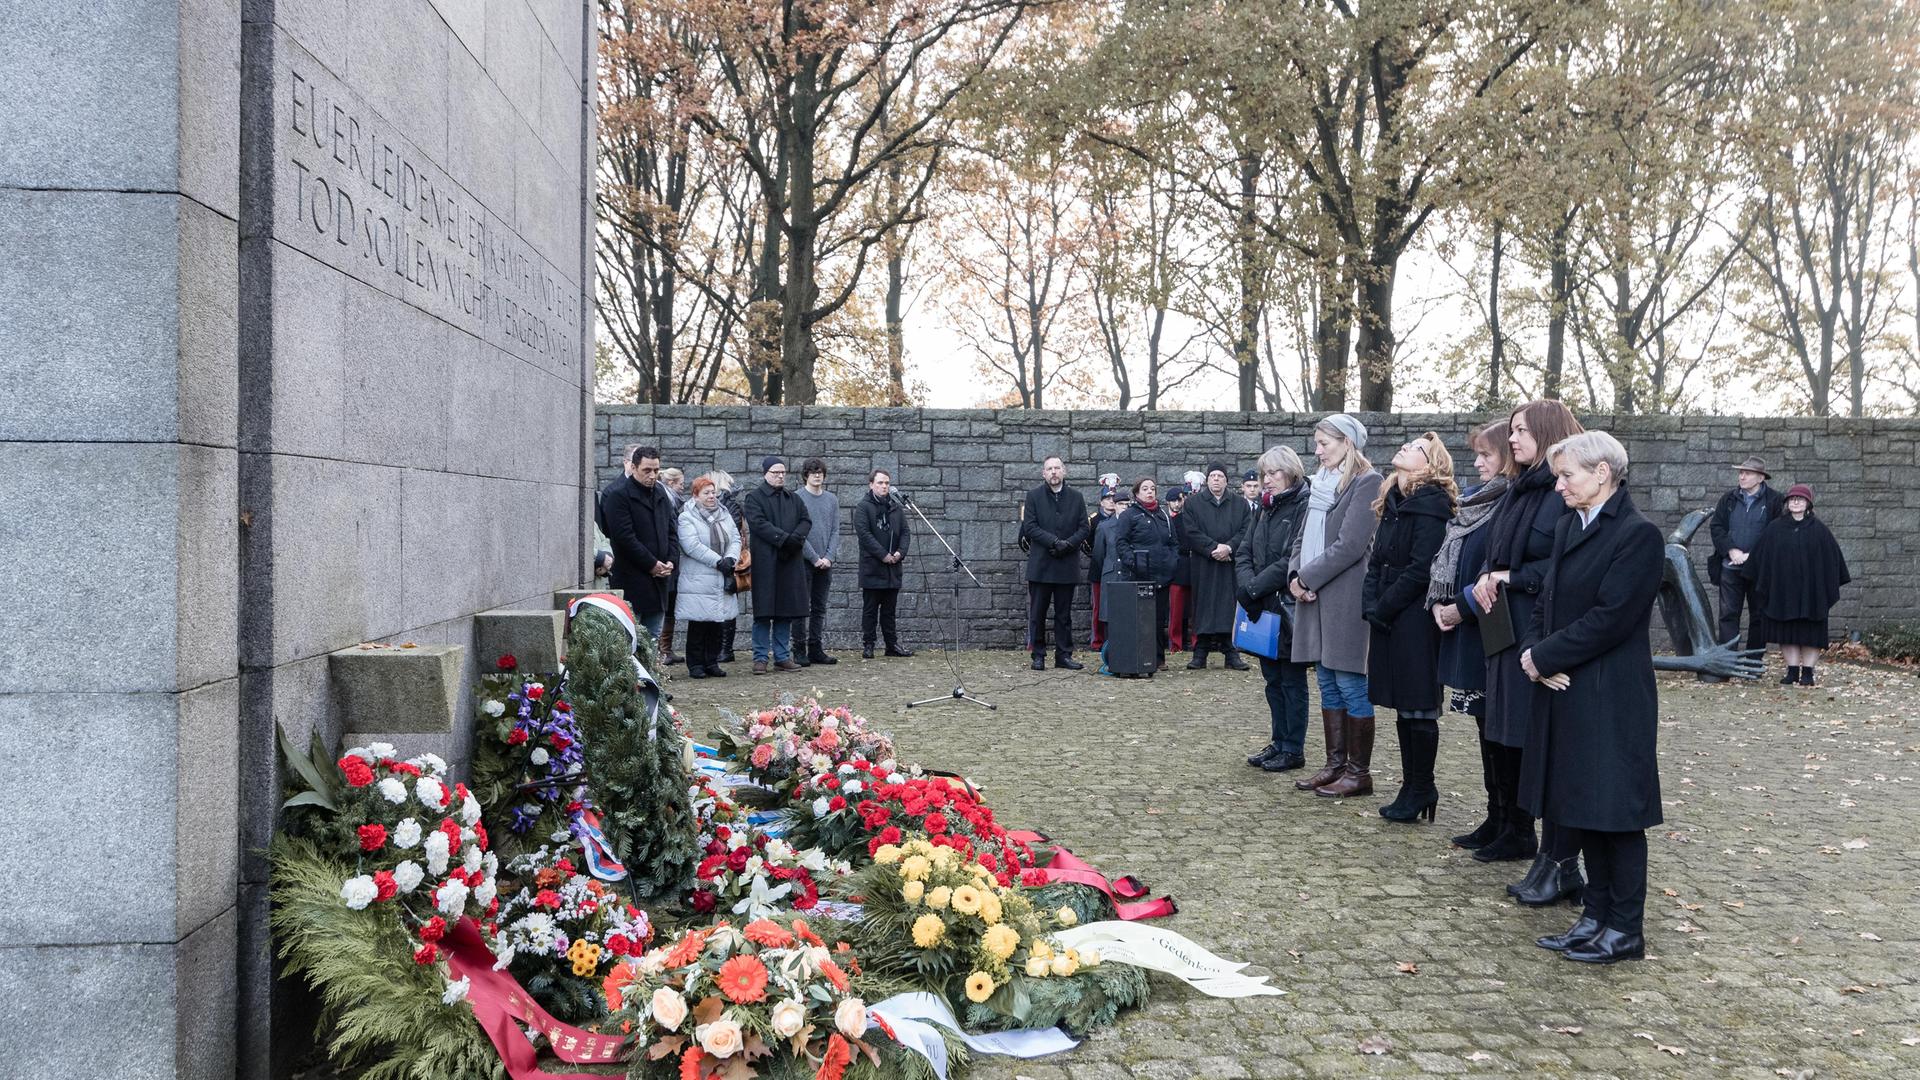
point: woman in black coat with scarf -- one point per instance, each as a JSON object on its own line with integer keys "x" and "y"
{"x": 1519, "y": 546}
{"x": 1260, "y": 582}
{"x": 1144, "y": 541}
{"x": 1797, "y": 572}
{"x": 1590, "y": 765}
{"x": 1403, "y": 652}
{"x": 1463, "y": 661}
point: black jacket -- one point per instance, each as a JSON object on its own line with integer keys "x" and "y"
{"x": 1052, "y": 520}
{"x": 1207, "y": 523}
{"x": 1590, "y": 760}
{"x": 1403, "y": 651}
{"x": 1144, "y": 540}
{"x": 639, "y": 524}
{"x": 880, "y": 525}
{"x": 1797, "y": 570}
{"x": 1260, "y": 562}
{"x": 1718, "y": 528}
{"x": 777, "y": 528}
{"x": 1529, "y": 513}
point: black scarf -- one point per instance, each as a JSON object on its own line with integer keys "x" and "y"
{"x": 1507, "y": 534}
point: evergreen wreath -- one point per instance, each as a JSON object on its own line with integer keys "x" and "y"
{"x": 637, "y": 772}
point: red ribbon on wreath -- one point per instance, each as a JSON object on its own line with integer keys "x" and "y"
{"x": 502, "y": 1005}
{"x": 1068, "y": 867}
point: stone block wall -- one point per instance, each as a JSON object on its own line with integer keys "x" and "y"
{"x": 970, "y": 469}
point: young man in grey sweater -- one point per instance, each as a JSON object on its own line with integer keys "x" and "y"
{"x": 823, "y": 507}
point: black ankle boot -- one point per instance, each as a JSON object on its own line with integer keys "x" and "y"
{"x": 1560, "y": 880}
{"x": 1792, "y": 676}
{"x": 1806, "y": 675}
{"x": 1532, "y": 877}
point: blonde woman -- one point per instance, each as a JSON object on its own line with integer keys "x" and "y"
{"x": 1260, "y": 583}
{"x": 1403, "y": 650}
{"x": 1329, "y": 569}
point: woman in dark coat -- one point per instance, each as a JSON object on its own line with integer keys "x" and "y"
{"x": 1215, "y": 521}
{"x": 1590, "y": 765}
{"x": 1144, "y": 541}
{"x": 1260, "y": 575}
{"x": 1519, "y": 543}
{"x": 1180, "y": 590}
{"x": 880, "y": 525}
{"x": 1797, "y": 572}
{"x": 777, "y": 528}
{"x": 1403, "y": 653}
{"x": 1463, "y": 663}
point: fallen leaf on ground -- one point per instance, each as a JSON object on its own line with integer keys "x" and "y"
{"x": 1868, "y": 935}
{"x": 1914, "y": 1041}
{"x": 1853, "y": 989}
{"x": 1855, "y": 844}
{"x": 1375, "y": 1044}
{"x": 1670, "y": 892}
{"x": 1405, "y": 968}
{"x": 1660, "y": 1046}
{"x": 1569, "y": 1029}
{"x": 1482, "y": 1055}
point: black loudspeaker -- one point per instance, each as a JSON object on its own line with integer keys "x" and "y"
{"x": 1133, "y": 641}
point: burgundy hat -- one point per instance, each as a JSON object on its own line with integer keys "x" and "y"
{"x": 1801, "y": 491}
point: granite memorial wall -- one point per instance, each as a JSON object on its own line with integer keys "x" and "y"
{"x": 294, "y": 318}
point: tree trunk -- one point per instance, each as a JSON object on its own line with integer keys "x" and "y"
{"x": 1246, "y": 342}
{"x": 1497, "y": 354}
{"x": 1376, "y": 344}
{"x": 797, "y": 350}
{"x": 1333, "y": 335}
{"x": 1559, "y": 295}
{"x": 896, "y": 322}
{"x": 1624, "y": 345}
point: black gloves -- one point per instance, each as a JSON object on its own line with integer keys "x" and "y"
{"x": 1248, "y": 602}
{"x": 792, "y": 544}
{"x": 1373, "y": 619}
{"x": 725, "y": 565}
{"x": 1059, "y": 548}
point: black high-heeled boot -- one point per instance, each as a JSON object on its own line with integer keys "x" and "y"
{"x": 1419, "y": 796}
{"x": 1490, "y": 828}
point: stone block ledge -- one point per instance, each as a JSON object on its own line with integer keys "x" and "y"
{"x": 403, "y": 689}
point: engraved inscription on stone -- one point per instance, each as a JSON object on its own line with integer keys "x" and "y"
{"x": 359, "y": 196}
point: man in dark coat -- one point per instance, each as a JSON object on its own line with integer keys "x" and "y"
{"x": 1739, "y": 519}
{"x": 1591, "y": 763}
{"x": 1096, "y": 555}
{"x": 1054, "y": 522}
{"x": 880, "y": 525}
{"x": 637, "y": 516}
{"x": 777, "y": 526}
{"x": 1215, "y": 522}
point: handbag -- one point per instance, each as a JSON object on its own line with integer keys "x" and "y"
{"x": 742, "y": 579}
{"x": 1259, "y": 635}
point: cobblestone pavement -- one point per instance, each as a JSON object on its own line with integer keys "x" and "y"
{"x": 1782, "y": 906}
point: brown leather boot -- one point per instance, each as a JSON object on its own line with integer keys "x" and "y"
{"x": 1333, "y": 723}
{"x": 1355, "y": 780}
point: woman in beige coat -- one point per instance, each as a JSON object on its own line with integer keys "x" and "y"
{"x": 1329, "y": 571}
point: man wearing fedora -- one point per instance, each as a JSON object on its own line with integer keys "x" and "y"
{"x": 1737, "y": 523}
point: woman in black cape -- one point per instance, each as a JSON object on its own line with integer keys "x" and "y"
{"x": 1797, "y": 574}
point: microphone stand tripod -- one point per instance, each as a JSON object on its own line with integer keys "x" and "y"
{"x": 953, "y": 580}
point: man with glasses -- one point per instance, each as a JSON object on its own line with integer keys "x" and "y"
{"x": 637, "y": 517}
{"x": 777, "y": 530}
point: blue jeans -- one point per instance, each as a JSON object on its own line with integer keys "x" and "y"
{"x": 780, "y": 631}
{"x": 1287, "y": 702}
{"x": 654, "y": 623}
{"x": 1344, "y": 690}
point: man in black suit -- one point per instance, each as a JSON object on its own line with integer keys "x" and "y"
{"x": 1054, "y": 524}
{"x": 637, "y": 516}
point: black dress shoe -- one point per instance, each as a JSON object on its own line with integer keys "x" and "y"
{"x": 1234, "y": 663}
{"x": 866, "y": 653}
{"x": 1608, "y": 947}
{"x": 1039, "y": 663}
{"x": 1560, "y": 881}
{"x": 1582, "y": 931}
{"x": 714, "y": 672}
{"x": 1284, "y": 761}
{"x": 821, "y": 658}
{"x": 895, "y": 650}
{"x": 1198, "y": 663}
{"x": 728, "y": 657}
{"x": 803, "y": 661}
{"x": 1271, "y": 750}
{"x": 1069, "y": 663}
{"x": 696, "y": 673}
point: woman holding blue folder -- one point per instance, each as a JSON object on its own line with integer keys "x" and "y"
{"x": 1260, "y": 584}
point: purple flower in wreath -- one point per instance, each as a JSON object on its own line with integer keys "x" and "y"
{"x": 524, "y": 816}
